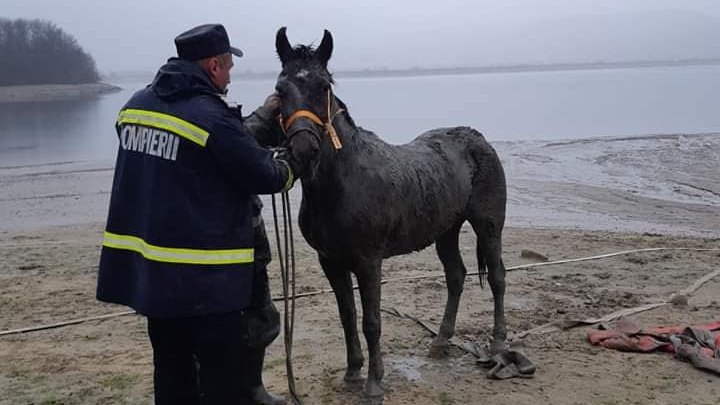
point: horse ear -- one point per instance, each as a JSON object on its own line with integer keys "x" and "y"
{"x": 282, "y": 46}
{"x": 324, "y": 51}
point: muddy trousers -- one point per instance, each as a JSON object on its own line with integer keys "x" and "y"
{"x": 202, "y": 360}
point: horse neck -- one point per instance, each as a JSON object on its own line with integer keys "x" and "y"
{"x": 359, "y": 140}
{"x": 333, "y": 164}
{"x": 358, "y": 145}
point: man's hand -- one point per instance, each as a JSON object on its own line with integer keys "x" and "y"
{"x": 271, "y": 108}
{"x": 299, "y": 155}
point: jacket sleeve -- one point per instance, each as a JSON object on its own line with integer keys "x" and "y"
{"x": 249, "y": 165}
{"x": 266, "y": 130}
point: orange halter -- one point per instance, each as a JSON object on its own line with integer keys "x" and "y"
{"x": 329, "y": 129}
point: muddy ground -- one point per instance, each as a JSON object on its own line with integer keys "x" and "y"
{"x": 49, "y": 275}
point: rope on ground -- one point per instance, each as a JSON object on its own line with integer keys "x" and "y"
{"x": 464, "y": 346}
{"x": 14, "y": 245}
{"x": 65, "y": 323}
{"x": 515, "y": 268}
{"x": 696, "y": 285}
{"x": 565, "y": 324}
{"x": 699, "y": 283}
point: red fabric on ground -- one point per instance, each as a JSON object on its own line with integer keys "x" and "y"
{"x": 597, "y": 336}
{"x": 647, "y": 340}
{"x": 626, "y": 343}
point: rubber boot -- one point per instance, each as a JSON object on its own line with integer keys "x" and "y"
{"x": 259, "y": 394}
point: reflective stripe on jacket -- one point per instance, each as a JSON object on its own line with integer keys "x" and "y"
{"x": 179, "y": 235}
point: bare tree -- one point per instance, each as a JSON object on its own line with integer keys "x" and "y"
{"x": 39, "y": 52}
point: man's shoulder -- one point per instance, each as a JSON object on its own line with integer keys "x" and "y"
{"x": 140, "y": 97}
{"x": 212, "y": 113}
{"x": 213, "y": 107}
{"x": 207, "y": 111}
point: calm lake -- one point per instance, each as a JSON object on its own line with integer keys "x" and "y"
{"x": 504, "y": 106}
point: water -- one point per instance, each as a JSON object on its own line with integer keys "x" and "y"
{"x": 60, "y": 131}
{"x": 504, "y": 106}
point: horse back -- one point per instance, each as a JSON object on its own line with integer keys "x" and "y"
{"x": 399, "y": 198}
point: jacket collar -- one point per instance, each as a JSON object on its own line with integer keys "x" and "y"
{"x": 180, "y": 78}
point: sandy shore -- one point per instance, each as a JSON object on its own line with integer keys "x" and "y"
{"x": 566, "y": 200}
{"x": 49, "y": 275}
{"x": 54, "y": 92}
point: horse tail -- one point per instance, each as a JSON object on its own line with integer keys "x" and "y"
{"x": 482, "y": 264}
{"x": 487, "y": 205}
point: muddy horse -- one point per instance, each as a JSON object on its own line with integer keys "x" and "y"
{"x": 364, "y": 200}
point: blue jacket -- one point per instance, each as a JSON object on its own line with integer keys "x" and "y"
{"x": 179, "y": 235}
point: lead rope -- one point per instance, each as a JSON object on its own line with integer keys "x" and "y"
{"x": 287, "y": 273}
{"x": 329, "y": 128}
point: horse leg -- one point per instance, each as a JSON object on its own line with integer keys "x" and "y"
{"x": 448, "y": 251}
{"x": 339, "y": 276}
{"x": 489, "y": 248}
{"x": 368, "y": 276}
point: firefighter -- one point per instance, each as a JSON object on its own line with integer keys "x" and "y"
{"x": 185, "y": 244}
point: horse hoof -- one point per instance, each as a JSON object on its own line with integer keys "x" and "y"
{"x": 439, "y": 351}
{"x": 374, "y": 389}
{"x": 352, "y": 376}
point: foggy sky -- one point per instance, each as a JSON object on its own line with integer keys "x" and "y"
{"x": 134, "y": 35}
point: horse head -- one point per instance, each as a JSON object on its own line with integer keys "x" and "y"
{"x": 305, "y": 88}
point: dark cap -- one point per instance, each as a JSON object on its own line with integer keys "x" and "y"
{"x": 203, "y": 42}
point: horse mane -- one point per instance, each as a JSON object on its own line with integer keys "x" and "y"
{"x": 362, "y": 135}
{"x": 345, "y": 112}
{"x": 303, "y": 52}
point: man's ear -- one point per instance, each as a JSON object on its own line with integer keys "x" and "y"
{"x": 213, "y": 66}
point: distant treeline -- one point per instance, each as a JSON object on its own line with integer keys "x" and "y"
{"x": 39, "y": 52}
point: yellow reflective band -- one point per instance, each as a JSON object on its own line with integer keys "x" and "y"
{"x": 291, "y": 178}
{"x": 175, "y": 255}
{"x": 168, "y": 122}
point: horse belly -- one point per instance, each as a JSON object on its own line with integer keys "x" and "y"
{"x": 422, "y": 225}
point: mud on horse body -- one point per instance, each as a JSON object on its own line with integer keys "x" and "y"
{"x": 364, "y": 200}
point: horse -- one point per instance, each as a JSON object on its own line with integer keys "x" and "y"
{"x": 364, "y": 200}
